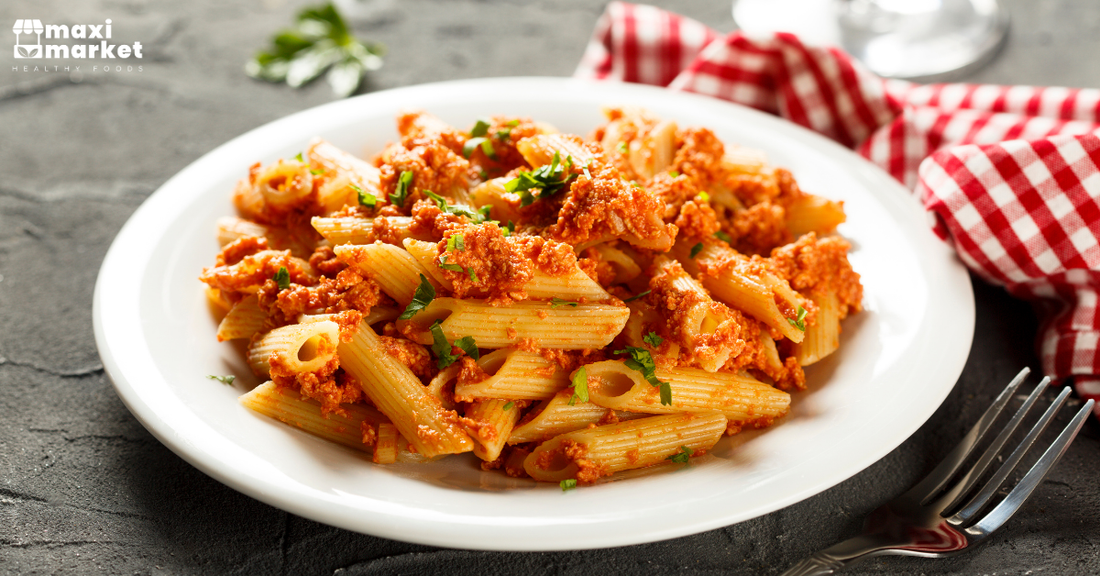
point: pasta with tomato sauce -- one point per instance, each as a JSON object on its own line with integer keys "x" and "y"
{"x": 563, "y": 307}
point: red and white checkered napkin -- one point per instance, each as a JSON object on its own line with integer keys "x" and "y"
{"x": 1011, "y": 172}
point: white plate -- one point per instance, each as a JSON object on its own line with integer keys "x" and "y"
{"x": 898, "y": 359}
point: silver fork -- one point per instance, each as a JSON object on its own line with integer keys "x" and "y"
{"x": 934, "y": 519}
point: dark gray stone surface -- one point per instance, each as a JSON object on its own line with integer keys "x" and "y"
{"x": 85, "y": 489}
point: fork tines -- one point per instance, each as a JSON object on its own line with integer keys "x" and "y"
{"x": 962, "y": 500}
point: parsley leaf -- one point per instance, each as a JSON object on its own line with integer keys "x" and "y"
{"x": 282, "y": 278}
{"x": 472, "y": 144}
{"x": 723, "y": 237}
{"x": 479, "y": 217}
{"x": 509, "y": 406}
{"x": 666, "y": 393}
{"x": 621, "y": 148}
{"x": 653, "y": 339}
{"x": 682, "y": 456}
{"x": 695, "y": 250}
{"x": 317, "y": 172}
{"x": 423, "y": 296}
{"x": 550, "y": 179}
{"x": 556, "y": 302}
{"x": 320, "y": 40}
{"x": 365, "y": 198}
{"x": 580, "y": 386}
{"x": 455, "y": 242}
{"x": 227, "y": 380}
{"x": 299, "y": 158}
{"x": 481, "y": 128}
{"x": 674, "y": 174}
{"x": 441, "y": 347}
{"x": 469, "y": 346}
{"x": 704, "y": 197}
{"x": 457, "y": 268}
{"x": 642, "y": 361}
{"x": 510, "y": 228}
{"x": 448, "y": 266}
{"x": 799, "y": 322}
{"x": 567, "y": 485}
{"x": 637, "y": 296}
{"x": 402, "y": 192}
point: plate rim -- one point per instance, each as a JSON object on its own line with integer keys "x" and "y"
{"x": 208, "y": 464}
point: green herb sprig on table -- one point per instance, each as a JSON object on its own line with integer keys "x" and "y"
{"x": 320, "y": 40}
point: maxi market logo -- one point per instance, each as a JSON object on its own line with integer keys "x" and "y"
{"x": 25, "y": 50}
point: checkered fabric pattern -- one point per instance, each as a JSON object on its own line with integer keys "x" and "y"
{"x": 1011, "y": 172}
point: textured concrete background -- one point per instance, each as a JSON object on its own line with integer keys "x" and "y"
{"x": 85, "y": 489}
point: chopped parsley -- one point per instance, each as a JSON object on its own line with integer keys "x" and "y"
{"x": 509, "y": 406}
{"x": 621, "y": 148}
{"x": 423, "y": 296}
{"x": 550, "y": 179}
{"x": 481, "y": 128}
{"x": 800, "y": 321}
{"x": 227, "y": 380}
{"x": 510, "y": 228}
{"x": 457, "y": 268}
{"x": 479, "y": 217}
{"x": 695, "y": 250}
{"x": 473, "y": 143}
{"x": 559, "y": 302}
{"x": 674, "y": 173}
{"x": 317, "y": 172}
{"x": 567, "y": 485}
{"x": 469, "y": 346}
{"x": 637, "y": 296}
{"x": 642, "y": 361}
{"x": 653, "y": 339}
{"x": 443, "y": 349}
{"x": 682, "y": 456}
{"x": 365, "y": 198}
{"x": 506, "y": 132}
{"x": 402, "y": 193}
{"x": 723, "y": 237}
{"x": 704, "y": 197}
{"x": 299, "y": 158}
{"x": 580, "y": 386}
{"x": 455, "y": 242}
{"x": 282, "y": 278}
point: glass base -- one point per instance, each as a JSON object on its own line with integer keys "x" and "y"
{"x": 910, "y": 39}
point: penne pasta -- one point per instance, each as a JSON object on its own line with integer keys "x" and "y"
{"x": 492, "y": 421}
{"x": 296, "y": 348}
{"x": 741, "y": 398}
{"x": 395, "y": 271}
{"x": 230, "y": 228}
{"x": 558, "y": 416}
{"x": 243, "y": 320}
{"x": 814, "y": 214}
{"x": 349, "y": 428}
{"x": 515, "y": 374}
{"x": 573, "y": 286}
{"x": 398, "y": 394}
{"x": 732, "y": 279}
{"x": 565, "y": 327}
{"x": 823, "y": 336}
{"x": 591, "y": 453}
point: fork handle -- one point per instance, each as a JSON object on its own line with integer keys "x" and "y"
{"x": 835, "y": 557}
{"x": 819, "y": 564}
